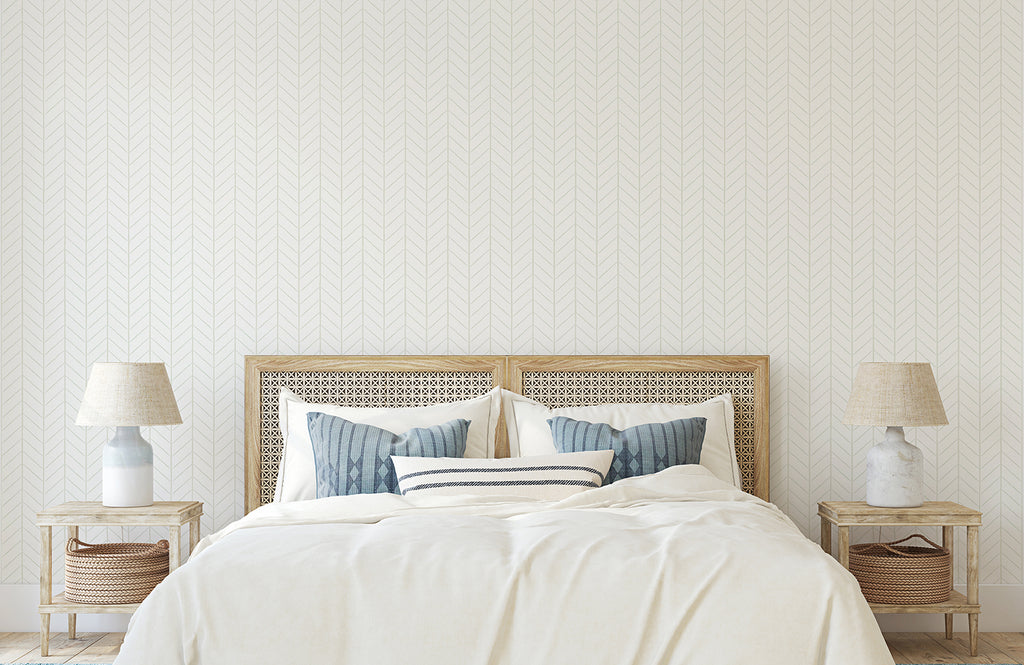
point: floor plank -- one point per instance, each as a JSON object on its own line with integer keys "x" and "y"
{"x": 918, "y": 648}
{"x": 935, "y": 648}
{"x": 1012, "y": 644}
{"x": 898, "y": 655}
{"x": 103, "y": 650}
{"x": 62, "y": 649}
{"x": 960, "y": 647}
{"x": 15, "y": 645}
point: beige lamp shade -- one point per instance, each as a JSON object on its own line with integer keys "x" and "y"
{"x": 128, "y": 394}
{"x": 895, "y": 395}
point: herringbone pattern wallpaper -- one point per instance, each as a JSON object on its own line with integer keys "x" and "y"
{"x": 824, "y": 182}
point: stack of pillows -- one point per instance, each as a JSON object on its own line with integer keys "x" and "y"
{"x": 332, "y": 450}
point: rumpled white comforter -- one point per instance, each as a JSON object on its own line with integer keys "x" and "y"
{"x": 676, "y": 567}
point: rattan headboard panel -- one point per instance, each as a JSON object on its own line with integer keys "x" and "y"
{"x": 390, "y": 381}
{"x": 362, "y": 389}
{"x": 558, "y": 389}
{"x": 559, "y": 381}
{"x": 401, "y": 381}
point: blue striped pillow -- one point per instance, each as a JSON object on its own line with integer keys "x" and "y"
{"x": 639, "y": 450}
{"x": 354, "y": 458}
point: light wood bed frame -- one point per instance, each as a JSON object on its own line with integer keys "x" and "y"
{"x": 402, "y": 381}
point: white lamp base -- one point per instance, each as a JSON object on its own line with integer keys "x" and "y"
{"x": 895, "y": 472}
{"x": 127, "y": 470}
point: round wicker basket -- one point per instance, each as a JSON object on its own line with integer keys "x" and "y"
{"x": 897, "y": 574}
{"x": 113, "y": 573}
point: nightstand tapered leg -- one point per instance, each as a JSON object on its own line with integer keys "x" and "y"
{"x": 947, "y": 542}
{"x": 972, "y": 584}
{"x": 826, "y": 536}
{"x": 45, "y": 585}
{"x": 44, "y": 636}
{"x": 72, "y": 618}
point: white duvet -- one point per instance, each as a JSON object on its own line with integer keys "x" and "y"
{"x": 677, "y": 567}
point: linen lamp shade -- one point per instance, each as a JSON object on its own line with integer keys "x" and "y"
{"x": 127, "y": 394}
{"x": 895, "y": 394}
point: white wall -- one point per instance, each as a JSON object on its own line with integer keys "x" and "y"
{"x": 823, "y": 182}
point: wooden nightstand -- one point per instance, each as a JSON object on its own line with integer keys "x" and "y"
{"x": 75, "y": 514}
{"x": 946, "y": 514}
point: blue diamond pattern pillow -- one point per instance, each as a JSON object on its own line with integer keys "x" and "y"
{"x": 353, "y": 458}
{"x": 639, "y": 450}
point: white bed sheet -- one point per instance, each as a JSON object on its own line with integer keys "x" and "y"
{"x": 677, "y": 567}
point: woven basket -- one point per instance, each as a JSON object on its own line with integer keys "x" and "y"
{"x": 897, "y": 574}
{"x": 113, "y": 573}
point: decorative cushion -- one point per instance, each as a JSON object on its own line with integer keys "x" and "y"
{"x": 355, "y": 458}
{"x": 549, "y": 477}
{"x": 529, "y": 433}
{"x": 639, "y": 450}
{"x": 296, "y": 479}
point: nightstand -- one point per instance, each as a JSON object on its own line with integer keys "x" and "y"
{"x": 946, "y": 514}
{"x": 75, "y": 514}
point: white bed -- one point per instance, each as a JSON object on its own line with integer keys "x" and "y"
{"x": 674, "y": 567}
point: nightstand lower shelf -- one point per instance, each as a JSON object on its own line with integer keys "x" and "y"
{"x": 60, "y": 605}
{"x": 957, "y": 604}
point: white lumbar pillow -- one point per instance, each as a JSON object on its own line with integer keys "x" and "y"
{"x": 529, "y": 434}
{"x": 296, "y": 476}
{"x": 546, "y": 477}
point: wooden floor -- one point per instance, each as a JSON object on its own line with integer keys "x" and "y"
{"x": 905, "y": 647}
{"x": 935, "y": 648}
{"x": 86, "y": 648}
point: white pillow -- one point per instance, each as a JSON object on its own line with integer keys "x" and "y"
{"x": 529, "y": 434}
{"x": 296, "y": 477}
{"x": 547, "y": 477}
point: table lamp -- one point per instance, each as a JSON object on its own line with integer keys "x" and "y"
{"x": 125, "y": 396}
{"x": 895, "y": 395}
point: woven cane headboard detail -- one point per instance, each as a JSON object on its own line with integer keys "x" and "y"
{"x": 560, "y": 389}
{"x": 402, "y": 381}
{"x": 388, "y": 381}
{"x": 361, "y": 389}
{"x": 559, "y": 381}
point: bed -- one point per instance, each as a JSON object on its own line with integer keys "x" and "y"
{"x": 674, "y": 567}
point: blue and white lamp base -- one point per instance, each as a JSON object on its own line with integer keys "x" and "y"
{"x": 127, "y": 470}
{"x": 895, "y": 472}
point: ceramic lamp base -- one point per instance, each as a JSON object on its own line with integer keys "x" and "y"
{"x": 127, "y": 470}
{"x": 895, "y": 472}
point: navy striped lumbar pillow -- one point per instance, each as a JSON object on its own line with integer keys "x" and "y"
{"x": 638, "y": 450}
{"x": 548, "y": 477}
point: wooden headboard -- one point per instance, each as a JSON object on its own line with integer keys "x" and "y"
{"x": 402, "y": 381}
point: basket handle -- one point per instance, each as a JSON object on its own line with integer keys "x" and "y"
{"x": 77, "y": 545}
{"x": 889, "y": 545}
{"x": 159, "y": 545}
